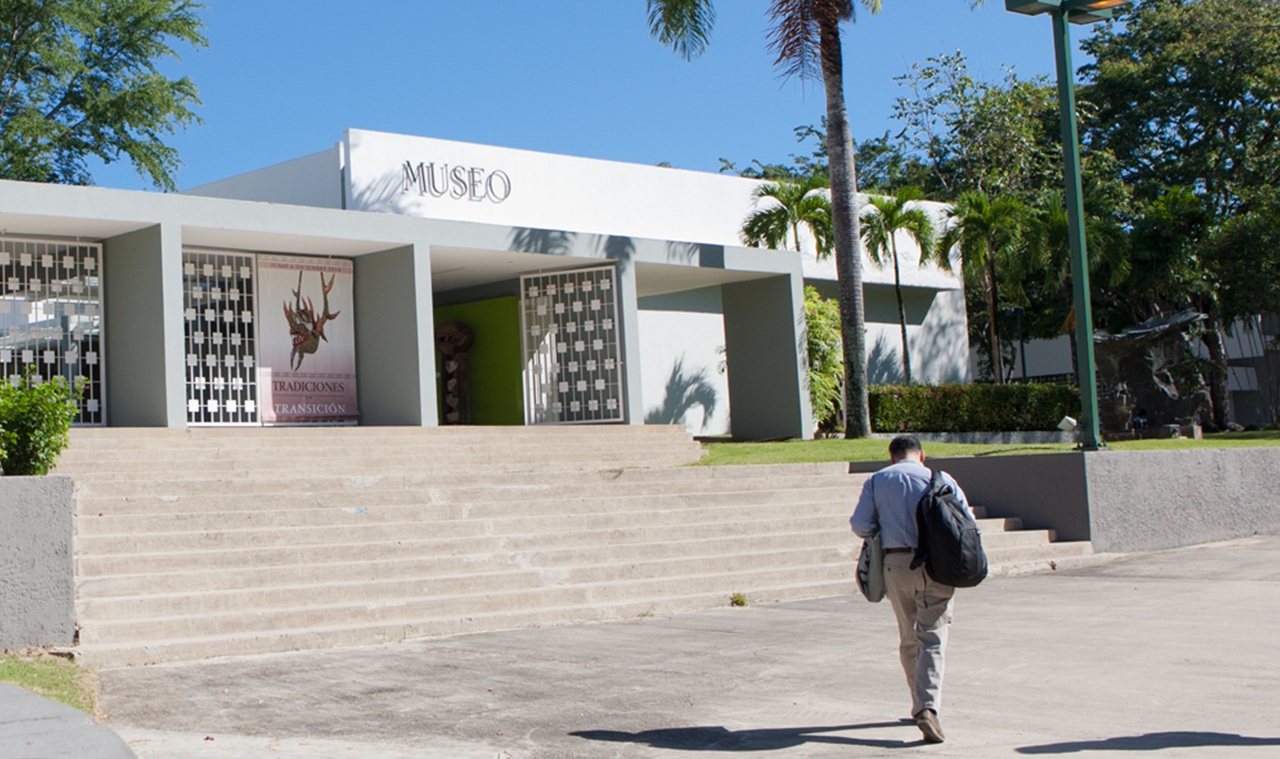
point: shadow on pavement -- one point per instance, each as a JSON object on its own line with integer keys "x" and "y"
{"x": 1151, "y": 742}
{"x": 720, "y": 739}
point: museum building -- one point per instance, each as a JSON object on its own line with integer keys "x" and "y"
{"x": 312, "y": 292}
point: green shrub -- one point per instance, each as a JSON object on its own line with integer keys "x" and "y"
{"x": 826, "y": 357}
{"x": 971, "y": 408}
{"x": 35, "y": 416}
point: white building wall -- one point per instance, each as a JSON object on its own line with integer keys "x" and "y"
{"x": 313, "y": 180}
{"x": 681, "y": 336}
{"x": 523, "y": 188}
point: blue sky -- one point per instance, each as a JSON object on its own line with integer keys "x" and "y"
{"x": 284, "y": 78}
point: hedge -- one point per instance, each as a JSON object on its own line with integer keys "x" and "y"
{"x": 971, "y": 408}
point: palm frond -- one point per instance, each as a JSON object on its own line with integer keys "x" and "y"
{"x": 884, "y": 217}
{"x": 790, "y": 205}
{"x": 794, "y": 30}
{"x": 682, "y": 25}
{"x": 766, "y": 228}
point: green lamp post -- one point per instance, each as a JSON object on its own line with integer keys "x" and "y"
{"x": 1075, "y": 12}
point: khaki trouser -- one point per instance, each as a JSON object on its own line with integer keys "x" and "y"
{"x": 923, "y": 608}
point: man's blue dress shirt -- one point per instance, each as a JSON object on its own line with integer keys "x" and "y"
{"x": 889, "y": 499}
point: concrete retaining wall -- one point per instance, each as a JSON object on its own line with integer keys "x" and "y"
{"x": 1126, "y": 500}
{"x": 1148, "y": 500}
{"x": 37, "y": 578}
{"x": 1046, "y": 491}
{"x": 1029, "y": 437}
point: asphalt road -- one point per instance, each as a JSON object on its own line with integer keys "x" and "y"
{"x": 1168, "y": 654}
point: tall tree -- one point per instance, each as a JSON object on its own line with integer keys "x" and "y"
{"x": 80, "y": 78}
{"x": 805, "y": 37}
{"x": 788, "y": 207}
{"x": 1188, "y": 96}
{"x": 985, "y": 232}
{"x": 1038, "y": 278}
{"x": 989, "y": 137}
{"x": 883, "y": 219}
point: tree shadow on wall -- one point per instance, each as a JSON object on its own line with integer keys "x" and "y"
{"x": 381, "y": 195}
{"x": 551, "y": 242}
{"x": 620, "y": 249}
{"x": 884, "y": 365}
{"x": 684, "y": 391}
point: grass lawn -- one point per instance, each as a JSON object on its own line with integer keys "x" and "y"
{"x": 51, "y": 677}
{"x": 808, "y": 451}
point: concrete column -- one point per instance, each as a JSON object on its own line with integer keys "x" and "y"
{"x": 765, "y": 352}
{"x": 142, "y": 328}
{"x": 395, "y": 338}
{"x": 629, "y": 303}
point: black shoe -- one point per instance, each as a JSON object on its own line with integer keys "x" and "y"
{"x": 927, "y": 721}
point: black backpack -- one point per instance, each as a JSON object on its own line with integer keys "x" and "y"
{"x": 950, "y": 545}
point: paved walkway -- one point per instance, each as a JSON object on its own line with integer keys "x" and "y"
{"x": 1168, "y": 654}
{"x": 33, "y": 727}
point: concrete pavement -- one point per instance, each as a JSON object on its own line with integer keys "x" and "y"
{"x": 1169, "y": 653}
{"x": 33, "y": 727}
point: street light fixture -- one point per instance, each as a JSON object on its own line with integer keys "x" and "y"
{"x": 1075, "y": 12}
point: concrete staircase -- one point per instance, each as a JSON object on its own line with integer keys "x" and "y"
{"x": 209, "y": 542}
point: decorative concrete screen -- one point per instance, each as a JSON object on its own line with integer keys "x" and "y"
{"x": 50, "y": 315}
{"x": 221, "y": 351}
{"x": 572, "y": 353}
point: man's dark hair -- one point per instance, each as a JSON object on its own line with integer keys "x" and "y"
{"x": 901, "y": 444}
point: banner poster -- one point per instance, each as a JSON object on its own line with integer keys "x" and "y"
{"x": 307, "y": 340}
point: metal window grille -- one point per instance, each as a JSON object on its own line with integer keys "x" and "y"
{"x": 221, "y": 346}
{"x": 572, "y": 347}
{"x": 51, "y": 316}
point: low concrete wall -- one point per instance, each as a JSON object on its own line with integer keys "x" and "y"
{"x": 1046, "y": 491}
{"x": 1148, "y": 500}
{"x": 1126, "y": 500}
{"x": 988, "y": 438}
{"x": 37, "y": 577}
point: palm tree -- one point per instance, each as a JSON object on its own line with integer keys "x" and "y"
{"x": 793, "y": 205}
{"x": 882, "y": 220}
{"x": 805, "y": 36}
{"x": 1046, "y": 249}
{"x": 985, "y": 231}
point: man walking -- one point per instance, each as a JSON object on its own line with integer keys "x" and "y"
{"x": 923, "y": 607}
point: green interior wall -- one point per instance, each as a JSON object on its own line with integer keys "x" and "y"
{"x": 497, "y": 388}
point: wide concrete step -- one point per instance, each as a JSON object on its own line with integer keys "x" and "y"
{"x": 253, "y": 434}
{"x": 997, "y": 556}
{"x": 535, "y": 550}
{"x": 90, "y": 461}
{"x": 252, "y": 600}
{"x": 101, "y": 534}
{"x": 407, "y": 609}
{"x": 112, "y": 453}
{"x": 549, "y": 463}
{"x": 608, "y": 527}
{"x": 109, "y": 520}
{"x": 137, "y": 574}
{"x": 460, "y": 489}
{"x": 187, "y": 447}
{"x": 600, "y": 532}
{"x": 153, "y": 651}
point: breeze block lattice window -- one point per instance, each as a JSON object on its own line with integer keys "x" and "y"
{"x": 221, "y": 349}
{"x": 51, "y": 316}
{"x": 572, "y": 347}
